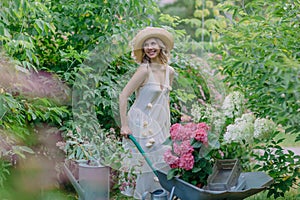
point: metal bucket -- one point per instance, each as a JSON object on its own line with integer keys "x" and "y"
{"x": 94, "y": 180}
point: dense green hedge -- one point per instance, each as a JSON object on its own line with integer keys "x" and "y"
{"x": 261, "y": 58}
{"x": 56, "y": 37}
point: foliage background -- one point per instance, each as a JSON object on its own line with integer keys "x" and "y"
{"x": 249, "y": 44}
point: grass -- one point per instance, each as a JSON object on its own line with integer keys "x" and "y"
{"x": 119, "y": 196}
{"x": 291, "y": 195}
{"x": 68, "y": 195}
{"x": 54, "y": 194}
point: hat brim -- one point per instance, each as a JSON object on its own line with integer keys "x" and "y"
{"x": 147, "y": 33}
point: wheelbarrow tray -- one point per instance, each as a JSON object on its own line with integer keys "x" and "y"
{"x": 255, "y": 182}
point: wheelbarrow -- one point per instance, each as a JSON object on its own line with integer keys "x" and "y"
{"x": 255, "y": 182}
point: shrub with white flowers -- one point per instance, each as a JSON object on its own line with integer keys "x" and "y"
{"x": 263, "y": 128}
{"x": 233, "y": 105}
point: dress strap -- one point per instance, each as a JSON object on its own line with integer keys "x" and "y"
{"x": 167, "y": 79}
{"x": 152, "y": 78}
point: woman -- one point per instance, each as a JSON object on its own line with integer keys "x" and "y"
{"x": 148, "y": 119}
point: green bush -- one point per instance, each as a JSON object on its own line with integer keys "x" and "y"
{"x": 260, "y": 58}
{"x": 57, "y": 36}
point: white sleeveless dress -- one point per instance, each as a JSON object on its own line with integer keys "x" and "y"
{"x": 149, "y": 121}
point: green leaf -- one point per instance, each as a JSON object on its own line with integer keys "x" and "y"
{"x": 26, "y": 149}
{"x": 193, "y": 22}
{"x": 196, "y": 143}
{"x": 196, "y": 169}
{"x": 172, "y": 173}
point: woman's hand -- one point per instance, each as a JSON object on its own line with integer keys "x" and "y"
{"x": 125, "y": 131}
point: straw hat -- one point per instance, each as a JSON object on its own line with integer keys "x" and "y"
{"x": 150, "y": 32}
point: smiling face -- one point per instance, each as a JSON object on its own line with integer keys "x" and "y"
{"x": 151, "y": 48}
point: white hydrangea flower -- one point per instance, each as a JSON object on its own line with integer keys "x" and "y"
{"x": 230, "y": 134}
{"x": 204, "y": 113}
{"x": 197, "y": 112}
{"x": 218, "y": 122}
{"x": 227, "y": 137}
{"x": 247, "y": 117}
{"x": 263, "y": 128}
{"x": 233, "y": 104}
{"x": 210, "y": 115}
{"x": 242, "y": 129}
{"x": 228, "y": 107}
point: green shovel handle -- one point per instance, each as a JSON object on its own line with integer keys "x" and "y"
{"x": 132, "y": 138}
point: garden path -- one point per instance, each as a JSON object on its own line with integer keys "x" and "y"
{"x": 296, "y": 150}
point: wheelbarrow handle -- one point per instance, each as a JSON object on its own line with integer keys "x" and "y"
{"x": 132, "y": 138}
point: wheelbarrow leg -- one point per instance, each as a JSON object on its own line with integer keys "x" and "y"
{"x": 172, "y": 193}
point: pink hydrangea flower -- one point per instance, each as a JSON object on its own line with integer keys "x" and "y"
{"x": 183, "y": 148}
{"x": 190, "y": 129}
{"x": 186, "y": 161}
{"x": 221, "y": 153}
{"x": 177, "y": 149}
{"x": 203, "y": 125}
{"x": 201, "y": 135}
{"x": 170, "y": 159}
{"x": 186, "y": 147}
{"x": 179, "y": 132}
{"x": 175, "y": 131}
{"x": 185, "y": 135}
{"x": 181, "y": 156}
{"x": 175, "y": 164}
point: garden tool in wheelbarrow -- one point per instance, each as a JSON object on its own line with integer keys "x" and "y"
{"x": 253, "y": 182}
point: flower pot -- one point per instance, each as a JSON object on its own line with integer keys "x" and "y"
{"x": 94, "y": 181}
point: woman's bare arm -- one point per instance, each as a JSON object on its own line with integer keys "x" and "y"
{"x": 134, "y": 83}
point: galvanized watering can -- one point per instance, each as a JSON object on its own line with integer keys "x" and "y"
{"x": 159, "y": 194}
{"x": 92, "y": 183}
